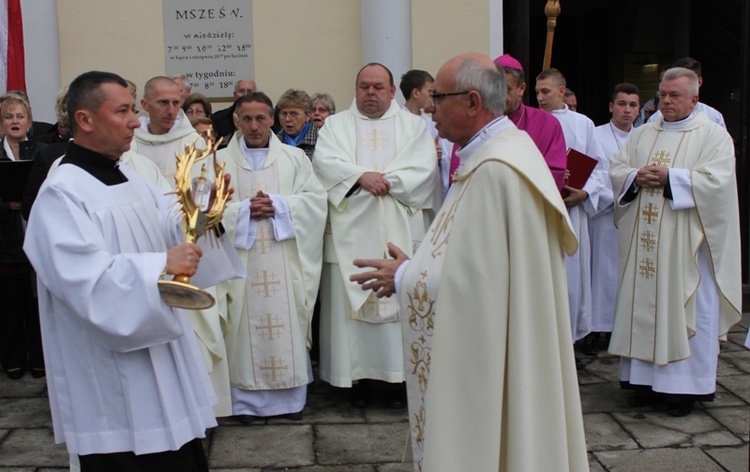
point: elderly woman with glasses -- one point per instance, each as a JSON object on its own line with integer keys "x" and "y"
{"x": 294, "y": 117}
{"x": 196, "y": 105}
{"x": 323, "y": 106}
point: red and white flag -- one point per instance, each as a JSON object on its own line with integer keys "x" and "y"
{"x": 12, "y": 64}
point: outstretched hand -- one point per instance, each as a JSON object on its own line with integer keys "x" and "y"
{"x": 382, "y": 279}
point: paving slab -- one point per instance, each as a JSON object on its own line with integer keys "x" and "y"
{"x": 737, "y": 385}
{"x": 262, "y": 446}
{"x": 332, "y": 408}
{"x": 728, "y": 367}
{"x": 738, "y": 359}
{"x": 657, "y": 430}
{"x": 357, "y": 444}
{"x": 24, "y": 413}
{"x": 603, "y": 433}
{"x": 329, "y": 468}
{"x": 32, "y": 448}
{"x": 386, "y": 415}
{"x": 25, "y": 387}
{"x": 735, "y": 419}
{"x": 603, "y": 397}
{"x": 658, "y": 460}
{"x": 734, "y": 459}
{"x": 605, "y": 368}
{"x": 398, "y": 467}
{"x": 724, "y": 398}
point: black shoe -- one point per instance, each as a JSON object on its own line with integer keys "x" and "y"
{"x": 292, "y": 416}
{"x": 15, "y": 373}
{"x": 247, "y": 419}
{"x": 589, "y": 345}
{"x": 360, "y": 396}
{"x": 681, "y": 408}
{"x": 38, "y": 372}
{"x": 395, "y": 396}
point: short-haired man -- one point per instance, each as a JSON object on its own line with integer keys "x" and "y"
{"x": 624, "y": 107}
{"x": 712, "y": 113}
{"x": 165, "y": 130}
{"x": 680, "y": 272}
{"x": 276, "y": 221}
{"x": 223, "y": 119}
{"x": 184, "y": 84}
{"x": 579, "y": 135}
{"x": 126, "y": 387}
{"x": 570, "y": 99}
{"x": 415, "y": 86}
{"x": 543, "y": 128}
{"x": 379, "y": 165}
{"x": 481, "y": 396}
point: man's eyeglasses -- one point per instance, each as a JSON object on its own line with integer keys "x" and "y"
{"x": 434, "y": 95}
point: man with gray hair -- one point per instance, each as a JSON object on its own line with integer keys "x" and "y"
{"x": 680, "y": 275}
{"x": 481, "y": 396}
{"x": 222, "y": 119}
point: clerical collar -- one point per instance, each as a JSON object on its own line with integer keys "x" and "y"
{"x": 490, "y": 130}
{"x": 99, "y": 166}
{"x": 677, "y": 125}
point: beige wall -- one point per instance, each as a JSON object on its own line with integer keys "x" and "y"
{"x": 314, "y": 45}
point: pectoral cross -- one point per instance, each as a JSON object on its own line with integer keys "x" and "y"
{"x": 371, "y": 139}
{"x": 650, "y": 212}
{"x": 647, "y": 268}
{"x": 269, "y": 366}
{"x": 261, "y": 241}
{"x": 273, "y": 330}
{"x": 661, "y": 159}
{"x": 266, "y": 285}
{"x": 648, "y": 241}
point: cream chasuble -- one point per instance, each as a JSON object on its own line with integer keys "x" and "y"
{"x": 481, "y": 397}
{"x": 658, "y": 245}
{"x": 268, "y": 335}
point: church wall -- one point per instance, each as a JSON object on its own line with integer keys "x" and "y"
{"x": 314, "y": 45}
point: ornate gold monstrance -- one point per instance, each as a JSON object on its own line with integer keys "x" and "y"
{"x": 195, "y": 222}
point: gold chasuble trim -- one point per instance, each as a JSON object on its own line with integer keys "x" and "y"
{"x": 651, "y": 208}
{"x": 419, "y": 320}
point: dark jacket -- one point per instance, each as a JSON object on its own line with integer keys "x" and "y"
{"x": 308, "y": 142}
{"x": 11, "y": 223}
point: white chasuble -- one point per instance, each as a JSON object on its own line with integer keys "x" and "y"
{"x": 655, "y": 312}
{"x": 376, "y": 148}
{"x": 267, "y": 326}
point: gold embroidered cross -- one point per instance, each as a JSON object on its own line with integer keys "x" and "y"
{"x": 648, "y": 241}
{"x": 269, "y": 366}
{"x": 653, "y": 191}
{"x": 261, "y": 242}
{"x": 265, "y": 285}
{"x": 273, "y": 330}
{"x": 650, "y": 212}
{"x": 661, "y": 159}
{"x": 647, "y": 268}
{"x": 371, "y": 139}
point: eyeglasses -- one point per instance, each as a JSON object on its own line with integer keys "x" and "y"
{"x": 434, "y": 95}
{"x": 291, "y": 114}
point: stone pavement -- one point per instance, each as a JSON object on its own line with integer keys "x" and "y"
{"x": 334, "y": 437}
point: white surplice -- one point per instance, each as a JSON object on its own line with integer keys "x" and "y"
{"x": 123, "y": 369}
{"x": 360, "y": 337}
{"x": 161, "y": 148}
{"x": 680, "y": 278}
{"x": 603, "y": 237}
{"x": 579, "y": 135}
{"x": 268, "y": 333}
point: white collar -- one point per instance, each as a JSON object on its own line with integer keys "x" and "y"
{"x": 490, "y": 130}
{"x": 677, "y": 125}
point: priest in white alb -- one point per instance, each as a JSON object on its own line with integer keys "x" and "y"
{"x": 379, "y": 166}
{"x": 127, "y": 387}
{"x": 611, "y": 136}
{"x": 490, "y": 371}
{"x": 579, "y": 135}
{"x": 680, "y": 275}
{"x": 276, "y": 220}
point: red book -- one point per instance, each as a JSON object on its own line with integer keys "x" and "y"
{"x": 580, "y": 167}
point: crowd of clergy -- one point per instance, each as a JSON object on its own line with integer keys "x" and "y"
{"x": 655, "y": 278}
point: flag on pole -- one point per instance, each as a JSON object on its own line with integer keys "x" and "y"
{"x": 12, "y": 57}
